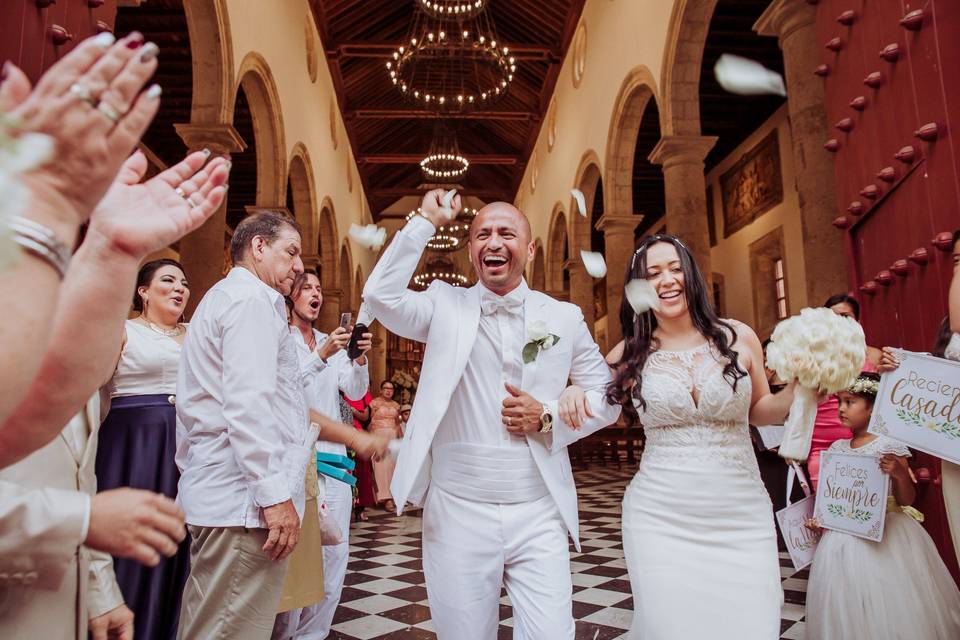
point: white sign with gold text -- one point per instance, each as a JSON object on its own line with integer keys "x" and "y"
{"x": 919, "y": 405}
{"x": 852, "y": 494}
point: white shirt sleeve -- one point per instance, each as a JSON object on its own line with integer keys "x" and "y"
{"x": 352, "y": 378}
{"x": 250, "y": 353}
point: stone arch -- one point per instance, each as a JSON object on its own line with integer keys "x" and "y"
{"x": 302, "y": 196}
{"x": 211, "y": 51}
{"x": 558, "y": 251}
{"x": 346, "y": 277}
{"x": 680, "y": 74}
{"x": 587, "y": 179}
{"x": 256, "y": 81}
{"x": 638, "y": 88}
{"x": 327, "y": 236}
{"x": 538, "y": 272}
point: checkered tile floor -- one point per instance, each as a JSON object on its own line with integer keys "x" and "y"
{"x": 384, "y": 596}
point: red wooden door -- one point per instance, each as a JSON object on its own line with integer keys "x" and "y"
{"x": 892, "y": 95}
{"x": 31, "y": 29}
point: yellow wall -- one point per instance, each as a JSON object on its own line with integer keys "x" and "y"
{"x": 621, "y": 35}
{"x": 276, "y": 31}
{"x": 731, "y": 256}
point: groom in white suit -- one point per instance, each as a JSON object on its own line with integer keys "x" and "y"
{"x": 485, "y": 450}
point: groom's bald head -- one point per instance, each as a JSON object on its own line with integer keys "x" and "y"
{"x": 500, "y": 246}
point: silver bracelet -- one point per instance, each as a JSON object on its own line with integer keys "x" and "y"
{"x": 39, "y": 240}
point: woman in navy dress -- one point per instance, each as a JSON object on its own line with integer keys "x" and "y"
{"x": 138, "y": 437}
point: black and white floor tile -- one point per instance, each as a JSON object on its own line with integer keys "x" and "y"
{"x": 385, "y": 597}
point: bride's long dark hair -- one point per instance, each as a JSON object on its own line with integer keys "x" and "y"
{"x": 638, "y": 329}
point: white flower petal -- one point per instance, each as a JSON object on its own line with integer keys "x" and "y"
{"x": 447, "y": 203}
{"x": 368, "y": 236}
{"x": 581, "y": 201}
{"x": 746, "y": 77}
{"x": 594, "y": 263}
{"x": 642, "y": 296}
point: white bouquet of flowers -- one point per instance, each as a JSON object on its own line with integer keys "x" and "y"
{"x": 824, "y": 352}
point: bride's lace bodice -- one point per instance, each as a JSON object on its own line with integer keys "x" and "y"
{"x": 692, "y": 411}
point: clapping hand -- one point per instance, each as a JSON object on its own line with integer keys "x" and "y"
{"x": 137, "y": 218}
{"x": 90, "y": 102}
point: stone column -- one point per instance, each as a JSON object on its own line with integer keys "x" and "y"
{"x": 310, "y": 262}
{"x": 685, "y": 188}
{"x": 618, "y": 239}
{"x": 330, "y": 310}
{"x": 202, "y": 251}
{"x": 581, "y": 289}
{"x": 793, "y": 23}
{"x": 378, "y": 354}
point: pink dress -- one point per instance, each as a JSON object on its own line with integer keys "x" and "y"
{"x": 385, "y": 418}
{"x": 827, "y": 429}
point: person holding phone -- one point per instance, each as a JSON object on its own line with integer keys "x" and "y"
{"x": 323, "y": 394}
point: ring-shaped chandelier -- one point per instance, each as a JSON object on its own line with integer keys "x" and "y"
{"x": 452, "y": 8}
{"x": 451, "y": 236}
{"x": 452, "y": 71}
{"x": 444, "y": 166}
{"x": 441, "y": 268}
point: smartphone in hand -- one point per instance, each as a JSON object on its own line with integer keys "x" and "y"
{"x": 345, "y": 319}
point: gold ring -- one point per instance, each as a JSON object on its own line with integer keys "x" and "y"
{"x": 180, "y": 192}
{"x": 83, "y": 93}
{"x": 107, "y": 109}
{"x": 509, "y": 422}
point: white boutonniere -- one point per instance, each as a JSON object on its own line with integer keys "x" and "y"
{"x": 539, "y": 339}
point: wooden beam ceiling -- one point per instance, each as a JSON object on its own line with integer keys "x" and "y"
{"x": 389, "y": 135}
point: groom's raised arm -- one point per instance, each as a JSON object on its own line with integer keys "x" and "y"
{"x": 590, "y": 372}
{"x": 404, "y": 312}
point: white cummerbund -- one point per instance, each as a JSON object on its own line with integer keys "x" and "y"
{"x": 502, "y": 475}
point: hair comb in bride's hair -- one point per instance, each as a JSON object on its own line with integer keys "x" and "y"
{"x": 658, "y": 237}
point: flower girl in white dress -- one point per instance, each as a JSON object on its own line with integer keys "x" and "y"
{"x": 894, "y": 589}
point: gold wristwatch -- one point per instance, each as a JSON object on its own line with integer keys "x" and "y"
{"x": 546, "y": 420}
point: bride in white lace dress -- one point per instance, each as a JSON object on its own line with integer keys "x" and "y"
{"x": 698, "y": 529}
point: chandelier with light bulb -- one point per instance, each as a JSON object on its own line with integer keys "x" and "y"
{"x": 439, "y": 269}
{"x": 452, "y": 8}
{"x": 451, "y": 236}
{"x": 452, "y": 60}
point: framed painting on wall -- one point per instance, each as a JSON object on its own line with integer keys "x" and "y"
{"x": 752, "y": 186}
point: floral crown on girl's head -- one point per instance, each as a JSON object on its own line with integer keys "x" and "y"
{"x": 864, "y": 386}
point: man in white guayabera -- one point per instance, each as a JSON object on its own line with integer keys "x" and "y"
{"x": 485, "y": 449}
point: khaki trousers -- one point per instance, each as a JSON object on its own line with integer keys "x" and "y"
{"x": 233, "y": 589}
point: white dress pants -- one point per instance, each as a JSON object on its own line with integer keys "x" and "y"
{"x": 472, "y": 548}
{"x": 313, "y": 622}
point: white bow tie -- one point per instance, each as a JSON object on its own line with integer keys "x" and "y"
{"x": 490, "y": 304}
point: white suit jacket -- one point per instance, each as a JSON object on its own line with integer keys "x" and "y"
{"x": 49, "y": 584}
{"x": 446, "y": 319}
